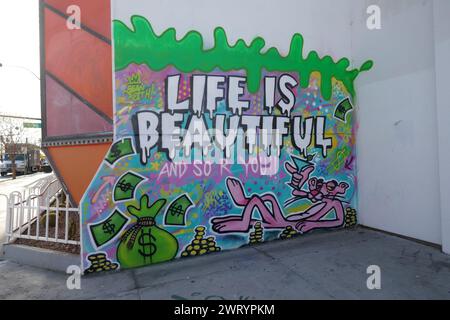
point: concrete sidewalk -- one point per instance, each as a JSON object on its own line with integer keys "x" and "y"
{"x": 325, "y": 265}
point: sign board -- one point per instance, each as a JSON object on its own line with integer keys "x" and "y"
{"x": 30, "y": 125}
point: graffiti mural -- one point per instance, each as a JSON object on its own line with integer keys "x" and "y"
{"x": 218, "y": 148}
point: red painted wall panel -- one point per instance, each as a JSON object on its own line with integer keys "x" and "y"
{"x": 80, "y": 60}
{"x": 95, "y": 14}
{"x": 67, "y": 115}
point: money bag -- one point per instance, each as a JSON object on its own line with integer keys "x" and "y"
{"x": 144, "y": 242}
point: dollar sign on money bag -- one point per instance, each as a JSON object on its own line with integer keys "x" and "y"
{"x": 145, "y": 243}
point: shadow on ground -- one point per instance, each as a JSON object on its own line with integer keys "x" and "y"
{"x": 330, "y": 265}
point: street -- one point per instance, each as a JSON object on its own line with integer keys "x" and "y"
{"x": 7, "y": 185}
{"x": 322, "y": 265}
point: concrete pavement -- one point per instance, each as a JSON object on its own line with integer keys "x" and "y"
{"x": 323, "y": 265}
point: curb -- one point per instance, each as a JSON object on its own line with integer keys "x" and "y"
{"x": 40, "y": 258}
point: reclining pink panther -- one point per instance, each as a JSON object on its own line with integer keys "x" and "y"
{"x": 324, "y": 195}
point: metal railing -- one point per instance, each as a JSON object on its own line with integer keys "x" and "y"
{"x": 41, "y": 212}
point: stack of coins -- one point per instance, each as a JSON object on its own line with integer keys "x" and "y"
{"x": 288, "y": 233}
{"x": 257, "y": 235}
{"x": 350, "y": 217}
{"x": 99, "y": 263}
{"x": 199, "y": 245}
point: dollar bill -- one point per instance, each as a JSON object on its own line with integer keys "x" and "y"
{"x": 344, "y": 107}
{"x": 120, "y": 149}
{"x": 126, "y": 186}
{"x": 176, "y": 213}
{"x": 106, "y": 230}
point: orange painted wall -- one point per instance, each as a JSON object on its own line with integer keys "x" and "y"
{"x": 78, "y": 165}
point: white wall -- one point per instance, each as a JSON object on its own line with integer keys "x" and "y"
{"x": 402, "y": 183}
{"x": 324, "y": 25}
{"x": 442, "y": 68}
{"x": 398, "y": 138}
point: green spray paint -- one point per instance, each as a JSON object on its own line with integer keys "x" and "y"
{"x": 141, "y": 45}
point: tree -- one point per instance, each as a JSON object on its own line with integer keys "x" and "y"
{"x": 11, "y": 138}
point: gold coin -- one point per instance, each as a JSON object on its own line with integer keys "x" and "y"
{"x": 212, "y": 249}
{"x": 114, "y": 266}
{"x": 184, "y": 254}
{"x": 98, "y": 269}
{"x": 189, "y": 248}
{"x": 196, "y": 242}
{"x": 200, "y": 234}
{"x": 210, "y": 239}
{"x": 196, "y": 247}
{"x": 200, "y": 228}
{"x": 203, "y": 251}
{"x": 193, "y": 253}
{"x": 211, "y": 244}
{"x": 203, "y": 242}
{"x": 198, "y": 237}
{"x": 218, "y": 248}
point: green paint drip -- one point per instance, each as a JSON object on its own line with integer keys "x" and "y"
{"x": 141, "y": 45}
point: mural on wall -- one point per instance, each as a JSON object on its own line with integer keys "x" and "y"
{"x": 218, "y": 148}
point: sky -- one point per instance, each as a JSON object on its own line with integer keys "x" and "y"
{"x": 19, "y": 46}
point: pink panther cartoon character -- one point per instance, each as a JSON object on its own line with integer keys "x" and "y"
{"x": 323, "y": 194}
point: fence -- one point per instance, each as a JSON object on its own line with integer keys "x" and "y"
{"x": 41, "y": 212}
